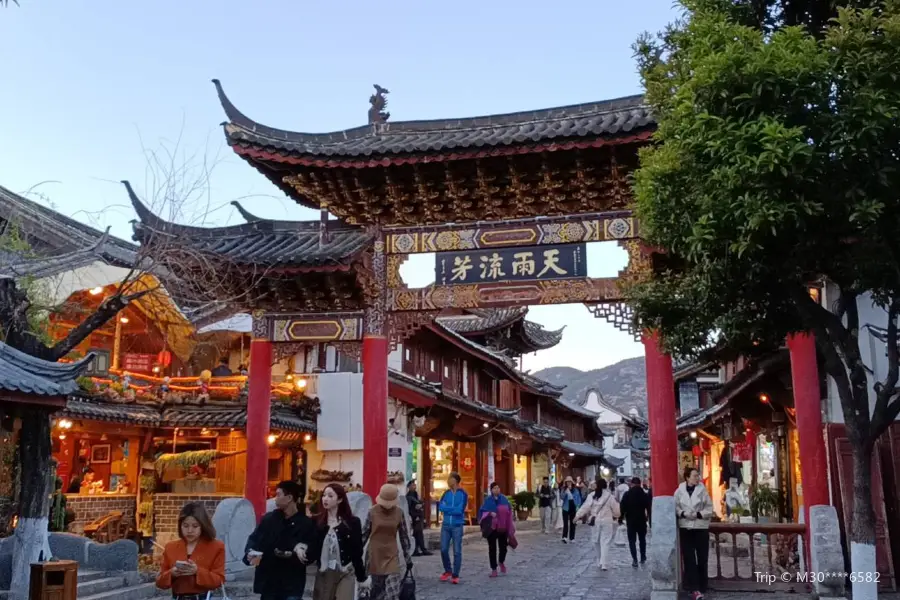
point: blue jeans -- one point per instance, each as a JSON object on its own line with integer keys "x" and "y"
{"x": 452, "y": 533}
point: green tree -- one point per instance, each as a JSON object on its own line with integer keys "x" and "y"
{"x": 776, "y": 165}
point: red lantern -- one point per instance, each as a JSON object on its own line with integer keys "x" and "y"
{"x": 164, "y": 358}
{"x": 697, "y": 451}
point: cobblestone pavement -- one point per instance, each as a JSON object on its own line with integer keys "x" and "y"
{"x": 544, "y": 568}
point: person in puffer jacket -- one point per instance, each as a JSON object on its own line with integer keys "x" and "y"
{"x": 602, "y": 511}
{"x": 694, "y": 509}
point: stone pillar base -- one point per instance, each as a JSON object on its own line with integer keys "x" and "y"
{"x": 665, "y": 571}
{"x": 826, "y": 553}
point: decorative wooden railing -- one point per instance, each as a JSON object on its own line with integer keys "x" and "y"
{"x": 755, "y": 556}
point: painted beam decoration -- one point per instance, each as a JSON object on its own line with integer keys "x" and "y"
{"x": 489, "y": 295}
{"x": 311, "y": 327}
{"x": 600, "y": 227}
{"x": 536, "y": 263}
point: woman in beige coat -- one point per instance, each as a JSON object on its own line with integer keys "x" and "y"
{"x": 602, "y": 511}
{"x": 694, "y": 509}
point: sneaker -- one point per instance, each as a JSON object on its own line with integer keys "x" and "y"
{"x": 696, "y": 596}
{"x": 634, "y": 564}
{"x": 503, "y": 568}
{"x": 604, "y": 568}
{"x": 446, "y": 577}
{"x": 643, "y": 560}
{"x": 494, "y": 574}
{"x": 427, "y": 553}
{"x": 455, "y": 580}
{"x": 565, "y": 541}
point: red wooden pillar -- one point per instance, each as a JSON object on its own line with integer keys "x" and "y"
{"x": 375, "y": 420}
{"x": 808, "y": 404}
{"x": 661, "y": 417}
{"x": 258, "y": 406}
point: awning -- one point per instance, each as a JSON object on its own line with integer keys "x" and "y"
{"x": 581, "y": 449}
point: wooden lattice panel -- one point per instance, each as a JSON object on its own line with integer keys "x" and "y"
{"x": 619, "y": 314}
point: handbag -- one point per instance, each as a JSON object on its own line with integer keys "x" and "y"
{"x": 407, "y": 587}
{"x": 487, "y": 526}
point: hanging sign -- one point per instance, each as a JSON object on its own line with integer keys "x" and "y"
{"x": 395, "y": 452}
{"x": 142, "y": 363}
{"x": 564, "y": 261}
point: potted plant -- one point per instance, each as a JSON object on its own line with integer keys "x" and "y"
{"x": 764, "y": 502}
{"x": 524, "y": 502}
{"x": 745, "y": 516}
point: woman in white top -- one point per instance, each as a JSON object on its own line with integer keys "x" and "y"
{"x": 694, "y": 509}
{"x": 602, "y": 511}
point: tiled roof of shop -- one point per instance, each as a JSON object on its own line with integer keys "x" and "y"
{"x": 58, "y": 233}
{"x": 263, "y": 242}
{"x": 20, "y": 372}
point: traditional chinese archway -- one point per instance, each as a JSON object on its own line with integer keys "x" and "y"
{"x": 507, "y": 203}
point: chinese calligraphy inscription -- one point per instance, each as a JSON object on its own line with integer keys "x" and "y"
{"x": 563, "y": 261}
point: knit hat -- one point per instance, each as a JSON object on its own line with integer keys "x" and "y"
{"x": 387, "y": 497}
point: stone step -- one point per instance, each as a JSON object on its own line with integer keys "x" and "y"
{"x": 135, "y": 592}
{"x": 103, "y": 584}
{"x": 85, "y": 575}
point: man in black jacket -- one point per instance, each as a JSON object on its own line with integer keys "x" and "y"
{"x": 545, "y": 503}
{"x": 417, "y": 515}
{"x": 634, "y": 510}
{"x": 282, "y": 546}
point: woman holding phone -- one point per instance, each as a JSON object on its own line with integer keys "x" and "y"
{"x": 194, "y": 564}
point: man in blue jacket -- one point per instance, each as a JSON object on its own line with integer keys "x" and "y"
{"x": 453, "y": 507}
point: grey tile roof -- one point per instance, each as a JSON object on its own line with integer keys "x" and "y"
{"x": 576, "y": 408}
{"x": 612, "y": 461}
{"x": 282, "y": 418}
{"x": 59, "y": 234}
{"x": 483, "y": 320}
{"x": 48, "y": 266}
{"x": 539, "y": 386}
{"x": 132, "y": 414}
{"x": 582, "y": 449}
{"x": 20, "y": 372}
{"x": 511, "y": 331}
{"x": 595, "y": 119}
{"x": 538, "y": 337}
{"x": 263, "y": 242}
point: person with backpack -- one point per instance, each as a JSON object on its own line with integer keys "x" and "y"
{"x": 602, "y": 511}
{"x": 495, "y": 518}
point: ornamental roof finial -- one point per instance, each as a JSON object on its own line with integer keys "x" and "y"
{"x": 378, "y": 100}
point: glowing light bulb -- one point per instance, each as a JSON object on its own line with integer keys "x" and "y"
{"x": 96, "y": 291}
{"x": 123, "y": 320}
{"x": 272, "y": 437}
{"x": 693, "y": 435}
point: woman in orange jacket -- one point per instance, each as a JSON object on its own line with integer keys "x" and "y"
{"x": 193, "y": 565}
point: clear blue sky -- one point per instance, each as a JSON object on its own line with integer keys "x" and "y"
{"x": 88, "y": 86}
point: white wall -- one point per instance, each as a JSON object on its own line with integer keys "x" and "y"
{"x": 606, "y": 415}
{"x": 872, "y": 351}
{"x": 395, "y": 358}
{"x": 340, "y": 433}
{"x": 340, "y": 426}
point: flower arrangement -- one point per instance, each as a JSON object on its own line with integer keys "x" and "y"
{"x": 327, "y": 476}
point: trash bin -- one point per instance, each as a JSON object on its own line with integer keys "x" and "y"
{"x": 54, "y": 580}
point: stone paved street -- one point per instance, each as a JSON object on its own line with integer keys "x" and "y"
{"x": 544, "y": 568}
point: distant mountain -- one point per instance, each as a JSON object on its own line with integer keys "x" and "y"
{"x": 622, "y": 385}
